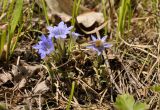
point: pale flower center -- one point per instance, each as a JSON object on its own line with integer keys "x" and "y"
{"x": 98, "y": 43}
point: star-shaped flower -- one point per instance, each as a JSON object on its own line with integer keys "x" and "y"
{"x": 59, "y": 31}
{"x": 99, "y": 44}
{"x": 44, "y": 47}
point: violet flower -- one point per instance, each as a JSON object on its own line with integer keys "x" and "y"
{"x": 59, "y": 31}
{"x": 99, "y": 44}
{"x": 74, "y": 35}
{"x": 44, "y": 47}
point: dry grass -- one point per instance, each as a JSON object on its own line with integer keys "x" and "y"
{"x": 131, "y": 66}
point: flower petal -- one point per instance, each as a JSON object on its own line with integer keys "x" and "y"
{"x": 74, "y": 35}
{"x": 61, "y": 24}
{"x": 69, "y": 28}
{"x": 99, "y": 52}
{"x": 106, "y": 45}
{"x": 51, "y": 49}
{"x": 50, "y": 28}
{"x": 43, "y": 37}
{"x": 104, "y": 38}
{"x": 43, "y": 55}
{"x": 90, "y": 46}
{"x": 36, "y": 46}
{"x": 63, "y": 36}
{"x": 93, "y": 38}
{"x": 51, "y": 35}
{"x": 60, "y": 36}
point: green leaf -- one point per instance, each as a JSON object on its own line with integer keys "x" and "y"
{"x": 124, "y": 102}
{"x": 155, "y": 88}
{"x": 2, "y": 41}
{"x": 123, "y": 9}
{"x": 5, "y": 2}
{"x": 127, "y": 102}
{"x": 3, "y": 106}
{"x": 16, "y": 14}
{"x": 140, "y": 106}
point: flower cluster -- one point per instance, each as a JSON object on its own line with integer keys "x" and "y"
{"x": 99, "y": 44}
{"x": 46, "y": 46}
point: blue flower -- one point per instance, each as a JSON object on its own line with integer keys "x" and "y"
{"x": 74, "y": 35}
{"x": 59, "y": 31}
{"x": 44, "y": 47}
{"x": 99, "y": 44}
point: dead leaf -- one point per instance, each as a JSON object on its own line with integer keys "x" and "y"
{"x": 22, "y": 83}
{"x": 14, "y": 70}
{"x": 32, "y": 69}
{"x": 58, "y": 6}
{"x": 86, "y": 19}
{"x": 61, "y": 8}
{"x": 66, "y": 6}
{"x": 89, "y": 18}
{"x": 41, "y": 87}
{"x": 19, "y": 72}
{"x": 53, "y": 6}
{"x": 4, "y": 77}
{"x": 64, "y": 17}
